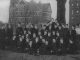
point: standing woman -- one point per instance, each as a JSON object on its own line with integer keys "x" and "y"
{"x": 78, "y": 35}
{"x": 58, "y": 43}
{"x": 3, "y": 37}
{"x": 73, "y": 46}
{"x": 9, "y": 35}
{"x": 53, "y": 42}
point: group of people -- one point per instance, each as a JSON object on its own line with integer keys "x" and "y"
{"x": 52, "y": 38}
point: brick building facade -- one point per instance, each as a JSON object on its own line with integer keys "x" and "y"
{"x": 24, "y": 12}
{"x": 74, "y": 12}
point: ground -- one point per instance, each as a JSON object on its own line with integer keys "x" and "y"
{"x": 8, "y": 55}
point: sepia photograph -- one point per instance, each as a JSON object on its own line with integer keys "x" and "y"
{"x": 39, "y": 29}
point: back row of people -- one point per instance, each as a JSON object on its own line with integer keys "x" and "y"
{"x": 50, "y": 39}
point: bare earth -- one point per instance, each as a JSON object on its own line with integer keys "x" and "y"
{"x": 7, "y": 55}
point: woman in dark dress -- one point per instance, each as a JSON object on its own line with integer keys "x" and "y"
{"x": 58, "y": 43}
{"x": 73, "y": 44}
{"x": 54, "y": 48}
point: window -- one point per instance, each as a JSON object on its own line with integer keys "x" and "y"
{"x": 77, "y": 11}
{"x": 77, "y": 4}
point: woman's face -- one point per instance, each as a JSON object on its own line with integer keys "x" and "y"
{"x": 37, "y": 39}
{"x": 53, "y": 32}
{"x": 26, "y": 35}
{"x": 49, "y": 27}
{"x": 54, "y": 40}
{"x": 18, "y": 25}
{"x": 24, "y": 31}
{"x": 60, "y": 27}
{"x": 26, "y": 26}
{"x": 27, "y": 40}
{"x": 39, "y": 33}
{"x": 45, "y": 33}
{"x": 57, "y": 33}
{"x": 34, "y": 35}
{"x": 72, "y": 27}
{"x": 43, "y": 40}
{"x": 35, "y": 27}
{"x": 40, "y": 37}
{"x": 55, "y": 26}
{"x": 49, "y": 34}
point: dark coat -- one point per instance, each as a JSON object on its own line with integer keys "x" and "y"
{"x": 19, "y": 31}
